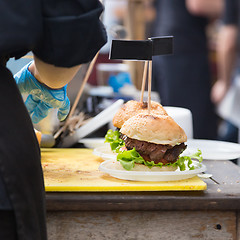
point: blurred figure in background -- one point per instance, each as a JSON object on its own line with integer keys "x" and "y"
{"x": 228, "y": 56}
{"x": 184, "y": 78}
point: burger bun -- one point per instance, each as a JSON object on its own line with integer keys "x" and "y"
{"x": 158, "y": 129}
{"x": 131, "y": 108}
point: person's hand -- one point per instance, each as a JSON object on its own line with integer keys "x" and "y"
{"x": 219, "y": 90}
{"x": 40, "y": 97}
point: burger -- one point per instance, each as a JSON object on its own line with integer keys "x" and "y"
{"x": 128, "y": 110}
{"x": 146, "y": 141}
{"x": 154, "y": 140}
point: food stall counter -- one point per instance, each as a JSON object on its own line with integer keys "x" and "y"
{"x": 212, "y": 213}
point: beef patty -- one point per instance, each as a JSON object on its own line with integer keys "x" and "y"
{"x": 154, "y": 152}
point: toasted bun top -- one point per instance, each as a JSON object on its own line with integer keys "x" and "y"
{"x": 131, "y": 108}
{"x": 159, "y": 129}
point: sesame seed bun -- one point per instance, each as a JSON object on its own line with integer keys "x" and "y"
{"x": 158, "y": 129}
{"x": 131, "y": 108}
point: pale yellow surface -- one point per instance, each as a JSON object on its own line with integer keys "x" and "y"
{"x": 76, "y": 170}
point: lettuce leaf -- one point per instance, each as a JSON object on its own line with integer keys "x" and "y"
{"x": 113, "y": 137}
{"x": 197, "y": 155}
{"x": 183, "y": 160}
{"x": 130, "y": 157}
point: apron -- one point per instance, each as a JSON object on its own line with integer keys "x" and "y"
{"x": 20, "y": 166}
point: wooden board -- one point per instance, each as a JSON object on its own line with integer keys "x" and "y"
{"x": 74, "y": 170}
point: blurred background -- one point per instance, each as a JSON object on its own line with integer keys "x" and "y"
{"x": 184, "y": 79}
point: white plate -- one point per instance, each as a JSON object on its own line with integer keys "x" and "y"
{"x": 213, "y": 150}
{"x": 92, "y": 142}
{"x": 105, "y": 152}
{"x": 115, "y": 169}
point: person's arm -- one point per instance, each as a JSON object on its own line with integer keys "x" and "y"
{"x": 71, "y": 36}
{"x": 226, "y": 50}
{"x": 205, "y": 8}
{"x": 50, "y": 75}
{"x": 226, "y": 56}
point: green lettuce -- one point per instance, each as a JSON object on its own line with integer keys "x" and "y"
{"x": 113, "y": 137}
{"x": 186, "y": 161}
{"x": 130, "y": 157}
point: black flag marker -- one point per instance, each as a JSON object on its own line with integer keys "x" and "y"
{"x": 141, "y": 50}
{"x": 162, "y": 45}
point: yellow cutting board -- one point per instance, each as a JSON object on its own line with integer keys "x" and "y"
{"x": 76, "y": 170}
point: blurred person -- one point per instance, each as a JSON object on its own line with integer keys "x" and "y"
{"x": 184, "y": 78}
{"x": 228, "y": 56}
{"x": 62, "y": 35}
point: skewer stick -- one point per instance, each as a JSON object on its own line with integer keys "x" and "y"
{"x": 90, "y": 68}
{"x": 144, "y": 80}
{"x": 89, "y": 71}
{"x": 149, "y": 85}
